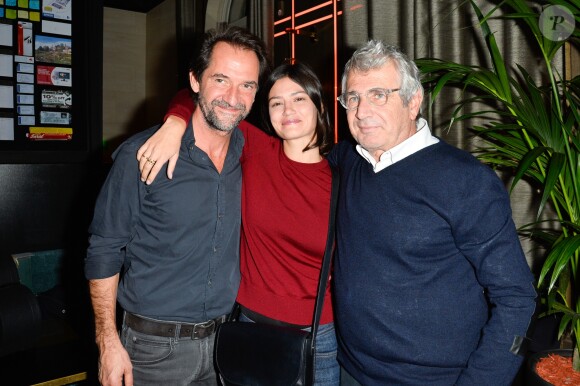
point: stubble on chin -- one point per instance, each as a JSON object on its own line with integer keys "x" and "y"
{"x": 216, "y": 122}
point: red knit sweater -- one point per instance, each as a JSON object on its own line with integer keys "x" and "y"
{"x": 285, "y": 209}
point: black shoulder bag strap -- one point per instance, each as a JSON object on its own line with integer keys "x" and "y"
{"x": 328, "y": 253}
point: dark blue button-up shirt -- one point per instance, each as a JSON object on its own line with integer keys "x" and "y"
{"x": 175, "y": 242}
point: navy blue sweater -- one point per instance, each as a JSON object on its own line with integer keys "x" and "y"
{"x": 423, "y": 247}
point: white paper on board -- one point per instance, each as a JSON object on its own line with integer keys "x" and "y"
{"x": 6, "y": 129}
{"x": 6, "y": 97}
{"x": 5, "y": 34}
{"x": 6, "y": 65}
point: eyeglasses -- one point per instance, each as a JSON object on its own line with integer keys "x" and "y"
{"x": 376, "y": 96}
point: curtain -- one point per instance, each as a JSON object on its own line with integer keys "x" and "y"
{"x": 261, "y": 20}
{"x": 189, "y": 26}
{"x": 448, "y": 30}
{"x": 192, "y": 19}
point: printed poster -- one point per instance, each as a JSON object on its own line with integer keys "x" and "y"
{"x": 57, "y": 9}
{"x": 56, "y": 99}
{"x": 54, "y": 76}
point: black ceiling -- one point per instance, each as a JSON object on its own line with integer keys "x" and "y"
{"x": 133, "y": 5}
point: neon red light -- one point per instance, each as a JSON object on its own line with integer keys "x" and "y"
{"x": 309, "y": 23}
{"x": 294, "y": 28}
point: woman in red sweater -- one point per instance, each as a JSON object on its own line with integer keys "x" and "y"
{"x": 285, "y": 205}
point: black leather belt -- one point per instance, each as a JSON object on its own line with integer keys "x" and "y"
{"x": 167, "y": 329}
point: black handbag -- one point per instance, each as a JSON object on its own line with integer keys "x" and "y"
{"x": 259, "y": 354}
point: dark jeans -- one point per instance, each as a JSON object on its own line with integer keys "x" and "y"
{"x": 169, "y": 361}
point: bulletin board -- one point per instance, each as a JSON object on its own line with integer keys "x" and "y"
{"x": 42, "y": 79}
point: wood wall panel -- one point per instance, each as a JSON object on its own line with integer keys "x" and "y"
{"x": 139, "y": 70}
{"x": 162, "y": 63}
{"x": 124, "y": 64}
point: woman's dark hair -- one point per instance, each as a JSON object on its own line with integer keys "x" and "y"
{"x": 303, "y": 75}
{"x": 235, "y": 36}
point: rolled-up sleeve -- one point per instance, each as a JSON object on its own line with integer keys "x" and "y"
{"x": 115, "y": 215}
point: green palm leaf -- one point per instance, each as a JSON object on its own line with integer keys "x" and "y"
{"x": 558, "y": 259}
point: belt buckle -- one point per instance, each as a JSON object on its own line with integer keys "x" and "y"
{"x": 200, "y": 330}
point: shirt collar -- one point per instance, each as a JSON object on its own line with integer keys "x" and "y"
{"x": 411, "y": 145}
{"x": 236, "y": 140}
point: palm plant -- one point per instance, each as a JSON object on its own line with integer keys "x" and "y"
{"x": 532, "y": 130}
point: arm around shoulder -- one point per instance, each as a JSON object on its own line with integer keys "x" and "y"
{"x": 164, "y": 145}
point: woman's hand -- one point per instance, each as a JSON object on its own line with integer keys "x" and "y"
{"x": 163, "y": 146}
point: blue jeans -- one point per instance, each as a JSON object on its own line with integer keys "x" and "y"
{"x": 169, "y": 361}
{"x": 326, "y": 368}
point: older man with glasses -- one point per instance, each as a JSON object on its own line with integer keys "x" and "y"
{"x": 431, "y": 284}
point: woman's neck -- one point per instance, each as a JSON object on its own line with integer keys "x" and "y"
{"x": 295, "y": 152}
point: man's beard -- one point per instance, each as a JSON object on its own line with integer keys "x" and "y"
{"x": 212, "y": 118}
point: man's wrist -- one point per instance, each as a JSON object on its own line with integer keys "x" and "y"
{"x": 107, "y": 338}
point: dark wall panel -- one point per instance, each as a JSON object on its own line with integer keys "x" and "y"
{"x": 45, "y": 206}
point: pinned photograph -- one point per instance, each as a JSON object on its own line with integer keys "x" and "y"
{"x": 48, "y": 49}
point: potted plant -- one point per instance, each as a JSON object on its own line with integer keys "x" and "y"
{"x": 531, "y": 131}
